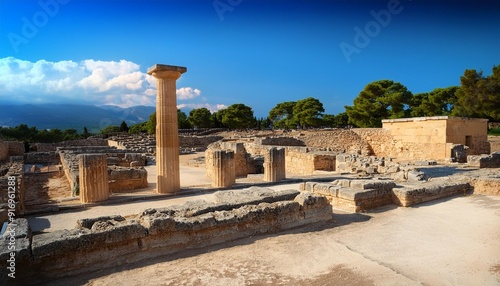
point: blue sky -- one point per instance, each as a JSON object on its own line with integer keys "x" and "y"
{"x": 258, "y": 53}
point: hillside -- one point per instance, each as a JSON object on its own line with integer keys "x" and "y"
{"x": 65, "y": 116}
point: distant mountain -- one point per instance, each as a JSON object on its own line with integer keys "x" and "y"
{"x": 65, "y": 116}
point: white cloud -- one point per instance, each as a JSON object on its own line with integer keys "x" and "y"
{"x": 212, "y": 107}
{"x": 184, "y": 93}
{"x": 88, "y": 82}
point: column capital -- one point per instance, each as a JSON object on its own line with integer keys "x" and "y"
{"x": 166, "y": 71}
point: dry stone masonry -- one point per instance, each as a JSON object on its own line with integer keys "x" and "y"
{"x": 98, "y": 243}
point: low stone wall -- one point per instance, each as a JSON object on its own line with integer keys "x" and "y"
{"x": 115, "y": 158}
{"x": 423, "y": 192}
{"x": 51, "y": 147}
{"x": 346, "y": 163}
{"x": 10, "y": 148}
{"x": 111, "y": 241}
{"x": 145, "y": 143}
{"x": 50, "y": 158}
{"x": 353, "y": 195}
{"x": 300, "y": 162}
{"x": 361, "y": 195}
{"x": 486, "y": 186}
{"x": 126, "y": 179}
{"x": 484, "y": 161}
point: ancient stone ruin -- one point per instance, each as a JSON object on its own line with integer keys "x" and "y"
{"x": 407, "y": 162}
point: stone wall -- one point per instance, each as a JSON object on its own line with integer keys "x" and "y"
{"x": 347, "y": 163}
{"x": 486, "y": 186}
{"x": 10, "y": 148}
{"x": 484, "y": 161}
{"x": 425, "y": 138}
{"x": 48, "y": 158}
{"x": 15, "y": 169}
{"x": 51, "y": 147}
{"x": 115, "y": 157}
{"x": 126, "y": 179}
{"x": 103, "y": 242}
{"x": 337, "y": 140}
{"x": 145, "y": 143}
{"x": 300, "y": 162}
{"x": 361, "y": 195}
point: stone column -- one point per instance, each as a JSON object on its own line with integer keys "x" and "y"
{"x": 167, "y": 136}
{"x": 223, "y": 169}
{"x": 274, "y": 165}
{"x": 93, "y": 173}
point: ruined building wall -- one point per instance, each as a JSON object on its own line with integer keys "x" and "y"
{"x": 471, "y": 132}
{"x": 417, "y": 138}
{"x": 10, "y": 148}
{"x": 50, "y": 147}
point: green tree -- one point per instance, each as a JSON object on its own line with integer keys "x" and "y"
{"x": 379, "y": 100}
{"x": 138, "y": 128}
{"x": 238, "y": 116}
{"x": 151, "y": 124}
{"x": 200, "y": 118}
{"x": 328, "y": 120}
{"x": 341, "y": 120}
{"x": 109, "y": 130}
{"x": 438, "y": 102}
{"x": 123, "y": 127}
{"x": 182, "y": 120}
{"x": 281, "y": 115}
{"x": 85, "y": 133}
{"x": 479, "y": 96}
{"x": 307, "y": 112}
{"x": 70, "y": 134}
{"x": 216, "y": 119}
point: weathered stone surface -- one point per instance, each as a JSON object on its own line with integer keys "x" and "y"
{"x": 414, "y": 176}
{"x": 486, "y": 186}
{"x": 485, "y": 161}
{"x": 107, "y": 241}
{"x": 167, "y": 136}
{"x": 254, "y": 195}
{"x": 411, "y": 195}
{"x": 93, "y": 178}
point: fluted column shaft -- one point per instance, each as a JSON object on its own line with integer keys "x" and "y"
{"x": 274, "y": 165}
{"x": 93, "y": 178}
{"x": 167, "y": 137}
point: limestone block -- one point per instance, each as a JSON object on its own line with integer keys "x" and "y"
{"x": 414, "y": 175}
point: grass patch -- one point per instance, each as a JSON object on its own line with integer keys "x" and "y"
{"x": 494, "y": 131}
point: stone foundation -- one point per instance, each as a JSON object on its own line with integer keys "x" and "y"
{"x": 486, "y": 186}
{"x": 10, "y": 148}
{"x": 126, "y": 179}
{"x": 485, "y": 161}
{"x": 362, "y": 195}
{"x": 104, "y": 242}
